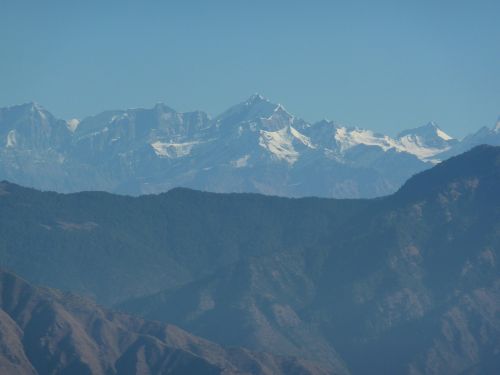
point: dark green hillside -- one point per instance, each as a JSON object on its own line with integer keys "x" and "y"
{"x": 403, "y": 284}
{"x": 113, "y": 247}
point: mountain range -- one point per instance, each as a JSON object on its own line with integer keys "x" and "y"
{"x": 255, "y": 146}
{"x": 45, "y": 331}
{"x": 403, "y": 284}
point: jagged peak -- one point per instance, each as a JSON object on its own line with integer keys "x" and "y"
{"x": 253, "y": 108}
{"x": 256, "y": 98}
{"x": 281, "y": 109}
{"x": 431, "y": 128}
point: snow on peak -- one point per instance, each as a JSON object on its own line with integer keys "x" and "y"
{"x": 72, "y": 124}
{"x": 429, "y": 132}
{"x": 11, "y": 139}
{"x": 497, "y": 126}
{"x": 172, "y": 150}
{"x": 417, "y": 147}
{"x": 281, "y": 143}
{"x": 424, "y": 142}
{"x": 438, "y": 132}
{"x": 306, "y": 141}
{"x": 348, "y": 138}
{"x": 36, "y": 108}
{"x": 39, "y": 110}
{"x": 443, "y": 135}
{"x": 255, "y": 98}
{"x": 254, "y": 108}
{"x": 279, "y": 110}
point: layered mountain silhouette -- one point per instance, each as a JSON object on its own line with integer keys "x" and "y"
{"x": 44, "y": 331}
{"x": 408, "y": 283}
{"x": 255, "y": 146}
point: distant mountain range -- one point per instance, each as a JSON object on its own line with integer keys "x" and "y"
{"x": 255, "y": 146}
{"x": 404, "y": 284}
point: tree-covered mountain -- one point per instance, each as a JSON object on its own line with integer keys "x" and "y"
{"x": 255, "y": 146}
{"x": 45, "y": 331}
{"x": 407, "y": 283}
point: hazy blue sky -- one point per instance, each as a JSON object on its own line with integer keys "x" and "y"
{"x": 385, "y": 65}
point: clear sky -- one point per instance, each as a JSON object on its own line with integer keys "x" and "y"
{"x": 383, "y": 65}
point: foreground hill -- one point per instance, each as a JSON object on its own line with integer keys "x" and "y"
{"x": 44, "y": 331}
{"x": 255, "y": 146}
{"x": 408, "y": 283}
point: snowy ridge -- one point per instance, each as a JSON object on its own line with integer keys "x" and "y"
{"x": 424, "y": 143}
{"x": 349, "y": 138}
{"x": 415, "y": 146}
{"x": 302, "y": 138}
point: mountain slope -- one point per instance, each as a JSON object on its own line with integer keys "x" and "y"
{"x": 337, "y": 281}
{"x": 45, "y": 331}
{"x": 410, "y": 286}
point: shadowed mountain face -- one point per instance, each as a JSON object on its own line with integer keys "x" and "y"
{"x": 44, "y": 331}
{"x": 403, "y": 284}
{"x": 255, "y": 146}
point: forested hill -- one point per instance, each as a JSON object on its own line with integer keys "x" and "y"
{"x": 340, "y": 281}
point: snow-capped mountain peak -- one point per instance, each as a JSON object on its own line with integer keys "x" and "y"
{"x": 430, "y": 131}
{"x": 254, "y": 108}
{"x": 425, "y": 141}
